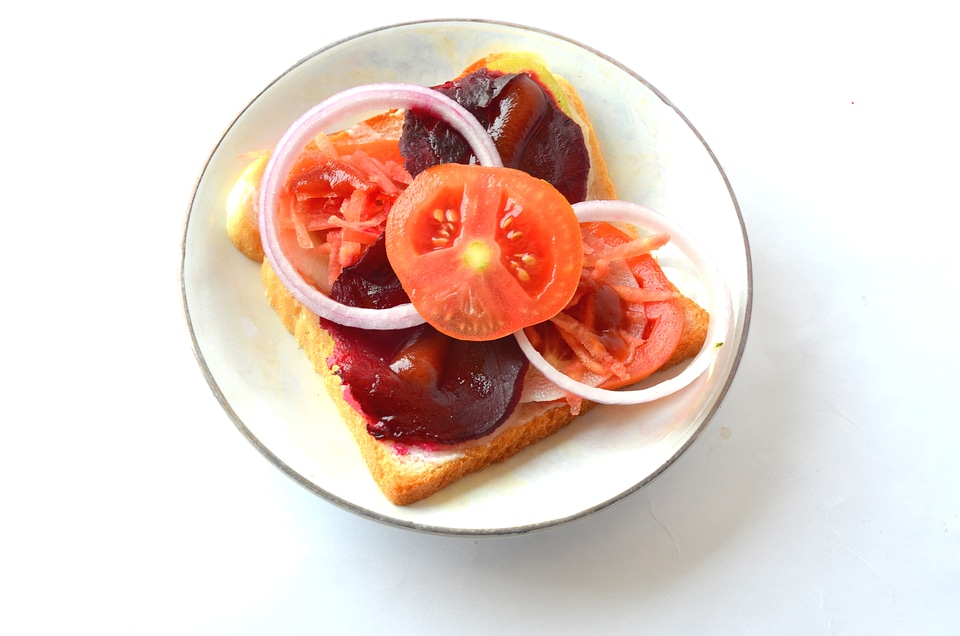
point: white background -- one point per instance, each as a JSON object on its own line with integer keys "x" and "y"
{"x": 823, "y": 498}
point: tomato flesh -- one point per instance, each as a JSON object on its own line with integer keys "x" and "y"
{"x": 484, "y": 251}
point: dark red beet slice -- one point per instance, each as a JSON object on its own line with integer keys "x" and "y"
{"x": 416, "y": 385}
{"x": 530, "y": 131}
{"x": 370, "y": 282}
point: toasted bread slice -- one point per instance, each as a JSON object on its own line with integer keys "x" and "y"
{"x": 408, "y": 475}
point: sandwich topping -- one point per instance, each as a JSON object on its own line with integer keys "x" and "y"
{"x": 275, "y": 188}
{"x": 529, "y": 129}
{"x": 484, "y": 251}
{"x": 334, "y": 207}
{"x": 448, "y": 287}
{"x": 417, "y": 385}
{"x": 625, "y": 320}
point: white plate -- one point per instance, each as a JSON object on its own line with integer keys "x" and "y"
{"x": 266, "y": 384}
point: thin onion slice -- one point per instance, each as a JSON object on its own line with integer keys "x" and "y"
{"x": 720, "y": 309}
{"x": 351, "y": 104}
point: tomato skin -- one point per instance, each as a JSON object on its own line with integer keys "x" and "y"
{"x": 484, "y": 251}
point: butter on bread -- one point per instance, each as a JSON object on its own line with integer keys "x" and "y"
{"x": 408, "y": 475}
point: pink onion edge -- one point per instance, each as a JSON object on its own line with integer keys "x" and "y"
{"x": 718, "y": 331}
{"x": 351, "y": 104}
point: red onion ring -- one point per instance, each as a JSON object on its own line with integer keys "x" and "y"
{"x": 351, "y": 104}
{"x": 720, "y": 309}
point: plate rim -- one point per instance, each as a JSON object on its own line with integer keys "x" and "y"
{"x": 430, "y": 528}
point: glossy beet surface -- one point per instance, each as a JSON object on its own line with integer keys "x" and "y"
{"x": 370, "y": 282}
{"x": 416, "y": 385}
{"x": 530, "y": 131}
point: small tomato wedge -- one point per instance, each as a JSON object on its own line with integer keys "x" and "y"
{"x": 483, "y": 252}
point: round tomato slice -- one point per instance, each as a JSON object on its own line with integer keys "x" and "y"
{"x": 610, "y": 337}
{"x": 663, "y": 328}
{"x": 483, "y": 252}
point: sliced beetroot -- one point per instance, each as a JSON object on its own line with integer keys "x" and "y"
{"x": 370, "y": 282}
{"x": 420, "y": 387}
{"x": 416, "y": 385}
{"x": 530, "y": 131}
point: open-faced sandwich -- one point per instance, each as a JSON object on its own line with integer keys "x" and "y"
{"x": 459, "y": 271}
